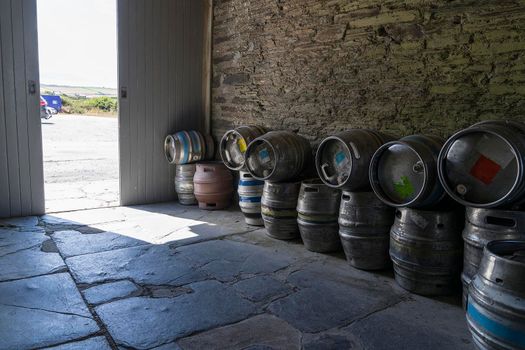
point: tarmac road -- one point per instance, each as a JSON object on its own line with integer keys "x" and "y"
{"x": 80, "y": 162}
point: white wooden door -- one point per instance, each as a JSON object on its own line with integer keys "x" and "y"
{"x": 162, "y": 79}
{"x": 21, "y": 164}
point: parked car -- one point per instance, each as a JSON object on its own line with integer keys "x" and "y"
{"x": 45, "y": 111}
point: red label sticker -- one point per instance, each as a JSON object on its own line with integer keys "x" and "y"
{"x": 485, "y": 170}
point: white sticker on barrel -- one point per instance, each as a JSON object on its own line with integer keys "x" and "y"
{"x": 264, "y": 155}
{"x": 420, "y": 221}
{"x": 497, "y": 152}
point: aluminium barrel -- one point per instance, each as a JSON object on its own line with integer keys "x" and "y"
{"x": 213, "y": 185}
{"x": 279, "y": 209}
{"x": 318, "y": 209}
{"x": 278, "y": 156}
{"x": 483, "y": 166}
{"x": 482, "y": 226}
{"x": 184, "y": 183}
{"x": 496, "y": 299}
{"x": 364, "y": 228}
{"x": 250, "y": 193}
{"x": 234, "y": 143}
{"x": 342, "y": 160}
{"x": 426, "y": 250}
{"x": 185, "y": 147}
{"x": 403, "y": 173}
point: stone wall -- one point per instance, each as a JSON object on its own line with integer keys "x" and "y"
{"x": 405, "y": 67}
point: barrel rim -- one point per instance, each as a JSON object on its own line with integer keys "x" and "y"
{"x": 318, "y": 154}
{"x": 168, "y": 141}
{"x": 491, "y": 251}
{"x": 222, "y": 148}
{"x": 374, "y": 179}
{"x": 441, "y": 161}
{"x": 248, "y": 152}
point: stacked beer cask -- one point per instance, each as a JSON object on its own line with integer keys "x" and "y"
{"x": 442, "y": 213}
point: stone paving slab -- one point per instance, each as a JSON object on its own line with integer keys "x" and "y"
{"x": 109, "y": 291}
{"x": 21, "y": 255}
{"x": 262, "y": 288}
{"x": 323, "y": 302}
{"x": 72, "y": 243}
{"x": 26, "y": 221}
{"x": 23, "y": 328}
{"x": 120, "y": 228}
{"x": 144, "y": 323}
{"x": 264, "y": 331}
{"x": 418, "y": 323}
{"x": 13, "y": 240}
{"x": 332, "y": 340}
{"x": 157, "y": 264}
{"x": 228, "y": 260}
{"x": 42, "y": 311}
{"x": 55, "y": 293}
{"x": 95, "y": 343}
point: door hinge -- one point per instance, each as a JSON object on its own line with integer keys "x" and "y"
{"x": 31, "y": 87}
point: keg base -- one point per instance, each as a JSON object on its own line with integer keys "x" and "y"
{"x": 428, "y": 285}
{"x": 369, "y": 263}
{"x": 279, "y": 228}
{"x": 188, "y": 201}
{"x": 465, "y": 281}
{"x": 322, "y": 246}
{"x": 320, "y": 237}
{"x": 214, "y": 206}
{"x": 283, "y": 236}
{"x": 366, "y": 253}
{"x": 254, "y": 221}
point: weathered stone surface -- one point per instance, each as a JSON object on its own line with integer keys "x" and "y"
{"x": 402, "y": 67}
{"x": 13, "y": 240}
{"x": 143, "y": 264}
{"x": 419, "y": 323}
{"x": 264, "y": 331}
{"x": 23, "y": 328}
{"x": 330, "y": 341}
{"x": 324, "y": 301}
{"x": 42, "y": 311}
{"x": 109, "y": 291}
{"x": 177, "y": 227}
{"x": 95, "y": 343}
{"x": 144, "y": 323}
{"x": 26, "y": 221}
{"x": 72, "y": 243}
{"x": 261, "y": 288}
{"x": 55, "y": 293}
{"x": 227, "y": 260}
{"x": 21, "y": 255}
{"x": 170, "y": 346}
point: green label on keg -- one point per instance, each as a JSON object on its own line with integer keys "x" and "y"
{"x": 404, "y": 187}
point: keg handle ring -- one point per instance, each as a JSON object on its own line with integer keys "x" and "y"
{"x": 325, "y": 174}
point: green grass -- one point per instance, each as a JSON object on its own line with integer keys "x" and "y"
{"x": 95, "y": 105}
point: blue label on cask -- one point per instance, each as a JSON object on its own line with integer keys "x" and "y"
{"x": 506, "y": 334}
{"x": 264, "y": 155}
{"x": 340, "y": 157}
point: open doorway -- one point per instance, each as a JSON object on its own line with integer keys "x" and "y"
{"x": 79, "y": 107}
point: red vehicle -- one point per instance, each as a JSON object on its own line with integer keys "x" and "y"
{"x": 45, "y": 111}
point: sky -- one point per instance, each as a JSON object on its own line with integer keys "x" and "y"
{"x": 77, "y": 42}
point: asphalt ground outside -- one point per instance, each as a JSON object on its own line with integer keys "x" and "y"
{"x": 80, "y": 162}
